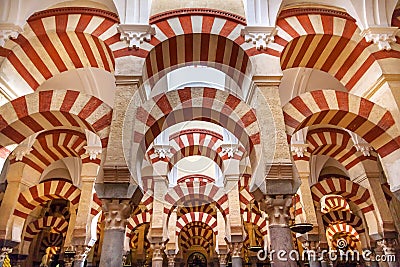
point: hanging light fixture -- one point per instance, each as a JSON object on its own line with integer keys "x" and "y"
{"x": 300, "y": 228}
{"x": 254, "y": 246}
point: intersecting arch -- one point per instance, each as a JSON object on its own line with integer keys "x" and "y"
{"x": 57, "y": 224}
{"x": 205, "y": 104}
{"x": 370, "y": 121}
{"x": 304, "y": 34}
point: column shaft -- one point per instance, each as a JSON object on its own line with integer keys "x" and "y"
{"x": 116, "y": 213}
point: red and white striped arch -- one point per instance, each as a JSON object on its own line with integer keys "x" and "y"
{"x": 336, "y": 144}
{"x": 335, "y": 217}
{"x": 334, "y": 203}
{"x": 61, "y": 39}
{"x": 195, "y": 178}
{"x": 136, "y": 220}
{"x": 96, "y": 205}
{"x": 54, "y": 145}
{"x": 349, "y": 190}
{"x": 192, "y": 191}
{"x": 39, "y": 194}
{"x": 328, "y": 40}
{"x": 370, "y": 121}
{"x": 256, "y": 219}
{"x": 334, "y": 232}
{"x": 58, "y": 224}
{"x": 196, "y": 217}
{"x": 51, "y": 109}
{"x": 207, "y": 104}
{"x": 197, "y": 230}
{"x": 197, "y": 36}
{"x": 198, "y": 241}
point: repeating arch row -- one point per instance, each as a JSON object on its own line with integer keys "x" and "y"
{"x": 58, "y": 224}
{"x": 335, "y": 217}
{"x": 196, "y": 217}
{"x": 370, "y": 121}
{"x": 334, "y": 203}
{"x": 36, "y": 112}
{"x": 61, "y": 39}
{"x": 336, "y": 144}
{"x": 348, "y": 189}
{"x": 29, "y": 199}
{"x": 328, "y": 40}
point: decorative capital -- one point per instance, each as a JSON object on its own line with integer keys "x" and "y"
{"x": 162, "y": 151}
{"x": 136, "y": 34}
{"x": 381, "y": 36}
{"x": 388, "y": 245}
{"x": 21, "y": 151}
{"x": 8, "y": 31}
{"x": 277, "y": 208}
{"x": 222, "y": 259}
{"x": 365, "y": 148}
{"x": 236, "y": 249}
{"x": 259, "y": 35}
{"x": 81, "y": 253}
{"x": 93, "y": 151}
{"x": 116, "y": 213}
{"x": 157, "y": 250}
{"x": 230, "y": 149}
{"x": 299, "y": 149}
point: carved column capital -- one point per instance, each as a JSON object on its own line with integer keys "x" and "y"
{"x": 116, "y": 212}
{"x": 157, "y": 250}
{"x": 388, "y": 245}
{"x": 81, "y": 252}
{"x": 381, "y": 36}
{"x": 222, "y": 259}
{"x": 277, "y": 208}
{"x": 260, "y": 36}
{"x": 8, "y": 31}
{"x": 236, "y": 249}
{"x": 136, "y": 34}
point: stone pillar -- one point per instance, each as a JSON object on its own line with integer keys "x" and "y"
{"x": 81, "y": 253}
{"x": 116, "y": 212}
{"x": 157, "y": 259}
{"x": 222, "y": 260}
{"x": 277, "y": 208}
{"x": 10, "y": 199}
{"x": 388, "y": 246}
{"x": 236, "y": 250}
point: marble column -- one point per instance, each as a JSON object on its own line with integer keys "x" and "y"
{"x": 157, "y": 259}
{"x": 277, "y": 208}
{"x": 236, "y": 252}
{"x": 222, "y": 260}
{"x": 116, "y": 212}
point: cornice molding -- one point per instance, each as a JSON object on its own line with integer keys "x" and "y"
{"x": 74, "y": 10}
{"x": 196, "y": 11}
{"x": 295, "y": 11}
